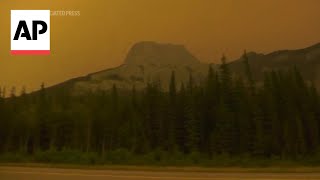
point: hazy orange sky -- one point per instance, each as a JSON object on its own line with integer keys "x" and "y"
{"x": 106, "y": 29}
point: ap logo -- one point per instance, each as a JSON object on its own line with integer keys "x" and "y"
{"x": 30, "y": 32}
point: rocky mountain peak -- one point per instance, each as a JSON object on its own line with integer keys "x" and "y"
{"x": 152, "y": 53}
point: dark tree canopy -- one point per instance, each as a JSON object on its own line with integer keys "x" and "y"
{"x": 221, "y": 116}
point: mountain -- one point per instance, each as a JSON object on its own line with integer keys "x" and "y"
{"x": 146, "y": 62}
{"x": 151, "y": 61}
{"x": 306, "y": 60}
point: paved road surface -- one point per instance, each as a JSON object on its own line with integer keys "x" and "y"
{"x": 22, "y": 173}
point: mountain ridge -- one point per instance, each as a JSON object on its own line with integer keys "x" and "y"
{"x": 148, "y": 61}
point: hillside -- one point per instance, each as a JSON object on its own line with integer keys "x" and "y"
{"x": 151, "y": 61}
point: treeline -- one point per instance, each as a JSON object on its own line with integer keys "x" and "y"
{"x": 223, "y": 115}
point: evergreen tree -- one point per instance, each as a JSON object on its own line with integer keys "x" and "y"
{"x": 172, "y": 114}
{"x": 248, "y": 72}
{"x": 43, "y": 120}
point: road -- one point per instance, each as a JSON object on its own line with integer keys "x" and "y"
{"x": 23, "y": 173}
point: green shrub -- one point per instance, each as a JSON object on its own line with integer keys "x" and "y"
{"x": 66, "y": 156}
{"x": 119, "y": 156}
{"x": 13, "y": 157}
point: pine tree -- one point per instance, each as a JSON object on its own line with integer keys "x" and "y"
{"x": 43, "y": 123}
{"x": 223, "y": 136}
{"x": 192, "y": 122}
{"x": 181, "y": 121}
{"x": 190, "y": 85}
{"x": 172, "y": 114}
{"x": 172, "y": 88}
{"x": 248, "y": 72}
{"x": 314, "y": 125}
{"x": 114, "y": 117}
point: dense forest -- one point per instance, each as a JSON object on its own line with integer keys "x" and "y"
{"x": 224, "y": 114}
